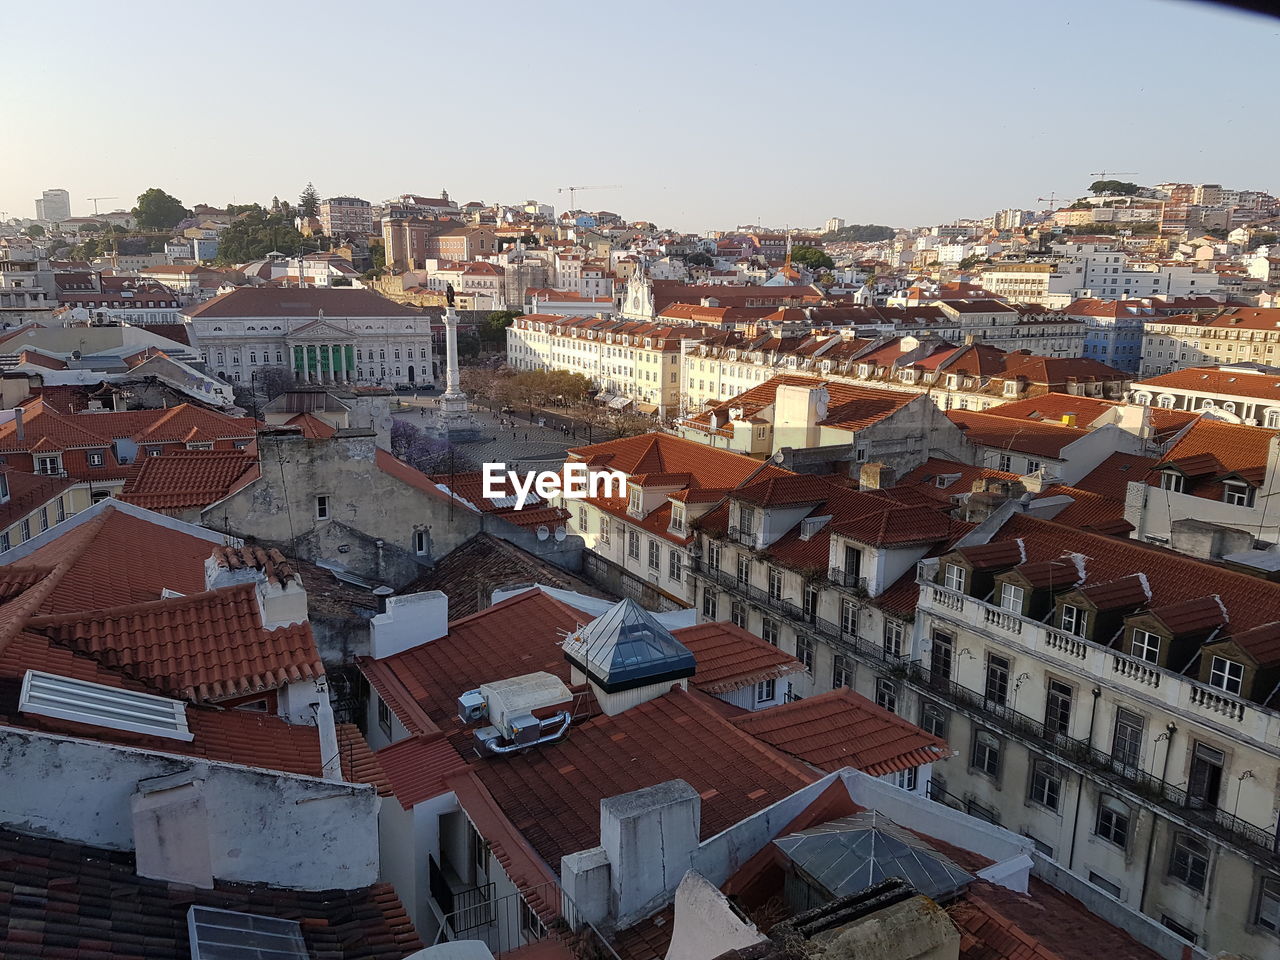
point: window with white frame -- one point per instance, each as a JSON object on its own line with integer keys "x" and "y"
{"x": 766, "y": 690}
{"x": 841, "y": 671}
{"x": 775, "y": 583}
{"x": 677, "y": 517}
{"x": 48, "y": 466}
{"x": 1226, "y": 675}
{"x": 675, "y": 565}
{"x": 322, "y": 507}
{"x": 710, "y": 604}
{"x": 1145, "y": 645}
{"x": 887, "y": 694}
{"x": 1074, "y": 620}
{"x": 804, "y": 652}
{"x": 907, "y": 779}
{"x": 769, "y": 631}
{"x": 713, "y": 556}
{"x": 893, "y": 634}
{"x": 1112, "y": 824}
{"x": 633, "y": 545}
{"x": 1045, "y": 787}
{"x": 637, "y": 498}
{"x": 954, "y": 577}
{"x": 1012, "y": 597}
{"x": 746, "y": 521}
{"x": 421, "y": 543}
{"x": 1238, "y": 494}
{"x": 604, "y": 529}
{"x": 933, "y": 718}
{"x": 655, "y": 555}
{"x": 1171, "y": 481}
{"x": 738, "y": 614}
{"x": 848, "y": 617}
{"x": 986, "y": 753}
{"x": 744, "y": 568}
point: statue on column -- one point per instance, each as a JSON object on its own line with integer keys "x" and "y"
{"x": 453, "y": 418}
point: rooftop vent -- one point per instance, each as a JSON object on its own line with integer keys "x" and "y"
{"x": 509, "y": 706}
{"x": 49, "y": 695}
{"x": 228, "y": 935}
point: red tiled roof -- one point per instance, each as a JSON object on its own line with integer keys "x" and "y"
{"x": 205, "y": 646}
{"x": 186, "y": 478}
{"x": 729, "y": 658}
{"x": 1035, "y": 437}
{"x": 309, "y": 302}
{"x": 1054, "y": 407}
{"x": 552, "y": 795}
{"x": 1238, "y": 383}
{"x": 1214, "y": 448}
{"x": 417, "y": 768}
{"x": 842, "y": 729}
{"x": 1112, "y": 476}
{"x": 89, "y": 902}
{"x": 312, "y": 426}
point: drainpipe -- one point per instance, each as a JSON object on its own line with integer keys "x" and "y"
{"x": 1075, "y": 819}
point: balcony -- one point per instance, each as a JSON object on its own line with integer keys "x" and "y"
{"x": 762, "y": 598}
{"x": 848, "y": 580}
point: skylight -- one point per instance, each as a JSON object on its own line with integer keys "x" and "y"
{"x": 229, "y": 935}
{"x": 49, "y": 695}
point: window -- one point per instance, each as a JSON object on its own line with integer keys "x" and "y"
{"x": 1181, "y": 929}
{"x": 1266, "y": 913}
{"x": 746, "y": 521}
{"x": 1102, "y": 883}
{"x": 1046, "y": 786}
{"x": 710, "y": 606}
{"x": 841, "y": 671}
{"x": 941, "y": 649}
{"x": 1226, "y": 675}
{"x": 1145, "y": 646}
{"x": 5, "y": 542}
{"x": 655, "y": 555}
{"x": 604, "y": 529}
{"x": 1205, "y": 783}
{"x": 675, "y": 566}
{"x": 1057, "y": 708}
{"x": 848, "y": 617}
{"x": 953, "y": 579}
{"x": 1004, "y": 463}
{"x": 633, "y": 545}
{"x": 887, "y": 694}
{"x": 738, "y": 614}
{"x": 1033, "y": 465}
{"x": 997, "y": 687}
{"x": 1011, "y": 597}
{"x": 810, "y": 603}
{"x": 769, "y": 630}
{"x": 713, "y": 556}
{"x": 25, "y": 530}
{"x": 1126, "y": 741}
{"x": 766, "y": 690}
{"x": 1189, "y": 861}
{"x": 1238, "y": 494}
{"x": 677, "y": 518}
{"x": 582, "y": 519}
{"x": 96, "y": 459}
{"x": 933, "y": 719}
{"x": 775, "y": 583}
{"x": 893, "y": 638}
{"x": 1171, "y": 481}
{"x": 1074, "y": 620}
{"x": 44, "y": 519}
{"x": 48, "y": 466}
{"x": 804, "y": 652}
{"x": 322, "y": 507}
{"x": 1113, "y": 822}
{"x": 907, "y": 779}
{"x": 986, "y": 753}
{"x": 744, "y": 568}
{"x": 421, "y": 543}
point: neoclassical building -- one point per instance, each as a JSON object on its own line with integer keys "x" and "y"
{"x": 324, "y": 335}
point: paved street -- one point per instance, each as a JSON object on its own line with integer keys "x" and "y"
{"x": 528, "y": 445}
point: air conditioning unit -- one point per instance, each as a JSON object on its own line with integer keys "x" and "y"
{"x": 472, "y": 706}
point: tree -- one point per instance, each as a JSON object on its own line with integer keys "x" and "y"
{"x": 811, "y": 257}
{"x": 860, "y": 233}
{"x": 35, "y": 231}
{"x": 309, "y": 201}
{"x": 1121, "y": 188}
{"x": 273, "y": 381}
{"x": 699, "y": 259}
{"x": 256, "y": 233}
{"x": 157, "y": 210}
{"x": 493, "y": 328}
{"x": 1263, "y": 238}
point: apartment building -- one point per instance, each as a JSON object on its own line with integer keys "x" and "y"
{"x": 1240, "y": 394}
{"x": 346, "y": 217}
{"x": 1235, "y": 335}
{"x": 1112, "y": 701}
{"x": 631, "y": 362}
{"x": 1113, "y": 329}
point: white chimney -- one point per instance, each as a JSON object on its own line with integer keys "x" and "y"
{"x": 409, "y": 621}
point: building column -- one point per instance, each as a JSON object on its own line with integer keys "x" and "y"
{"x": 337, "y": 364}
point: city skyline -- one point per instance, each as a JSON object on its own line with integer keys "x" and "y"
{"x": 691, "y": 148}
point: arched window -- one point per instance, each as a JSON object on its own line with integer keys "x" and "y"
{"x": 1206, "y": 404}
{"x": 1166, "y": 402}
{"x": 1229, "y": 406}
{"x": 253, "y": 356}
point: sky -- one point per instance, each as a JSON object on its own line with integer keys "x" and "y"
{"x": 698, "y": 116}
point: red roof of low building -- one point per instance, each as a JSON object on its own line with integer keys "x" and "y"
{"x": 1215, "y": 380}
{"x": 186, "y": 479}
{"x": 842, "y": 729}
{"x": 1036, "y": 437}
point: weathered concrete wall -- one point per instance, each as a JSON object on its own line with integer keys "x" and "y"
{"x": 263, "y": 827}
{"x": 621, "y": 582}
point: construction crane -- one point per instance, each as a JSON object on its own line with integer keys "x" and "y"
{"x": 95, "y": 202}
{"x": 1102, "y": 175}
{"x": 574, "y": 190}
{"x": 1051, "y": 199}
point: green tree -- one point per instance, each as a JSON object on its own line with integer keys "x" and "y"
{"x": 1121, "y": 188}
{"x": 157, "y": 210}
{"x": 811, "y": 257}
{"x": 493, "y": 328}
{"x": 35, "y": 231}
{"x": 860, "y": 233}
{"x": 309, "y": 201}
{"x": 1263, "y": 238}
{"x": 254, "y": 234}
{"x": 699, "y": 259}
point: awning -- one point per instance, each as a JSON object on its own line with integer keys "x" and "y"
{"x": 617, "y": 403}
{"x": 604, "y": 397}
{"x": 646, "y": 407}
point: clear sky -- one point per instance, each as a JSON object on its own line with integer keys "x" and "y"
{"x": 707, "y": 114}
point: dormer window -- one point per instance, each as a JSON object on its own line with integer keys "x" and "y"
{"x": 954, "y": 578}
{"x": 4, "y": 488}
{"x": 1226, "y": 675}
{"x": 1073, "y": 620}
{"x": 677, "y": 517}
{"x": 746, "y": 521}
{"x": 1171, "y": 481}
{"x": 1237, "y": 493}
{"x": 1012, "y": 597}
{"x": 1145, "y": 645}
{"x": 636, "y": 503}
{"x": 1011, "y": 388}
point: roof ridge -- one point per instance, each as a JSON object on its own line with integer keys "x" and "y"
{"x": 144, "y": 606}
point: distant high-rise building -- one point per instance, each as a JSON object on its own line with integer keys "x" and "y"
{"x": 834, "y": 224}
{"x": 346, "y": 217}
{"x": 1010, "y": 219}
{"x": 53, "y": 206}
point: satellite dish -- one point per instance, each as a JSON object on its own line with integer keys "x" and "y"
{"x": 560, "y": 534}
{"x": 543, "y": 532}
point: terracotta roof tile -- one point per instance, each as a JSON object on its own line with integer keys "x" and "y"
{"x": 842, "y": 729}
{"x": 1036, "y": 437}
{"x": 417, "y": 768}
{"x": 729, "y": 658}
{"x": 186, "y": 479}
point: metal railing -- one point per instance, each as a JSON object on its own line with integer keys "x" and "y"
{"x": 523, "y": 917}
{"x": 848, "y": 579}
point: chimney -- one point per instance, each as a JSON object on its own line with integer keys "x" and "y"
{"x": 409, "y": 621}
{"x": 20, "y": 430}
{"x": 875, "y": 476}
{"x": 171, "y": 831}
{"x": 649, "y": 837}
